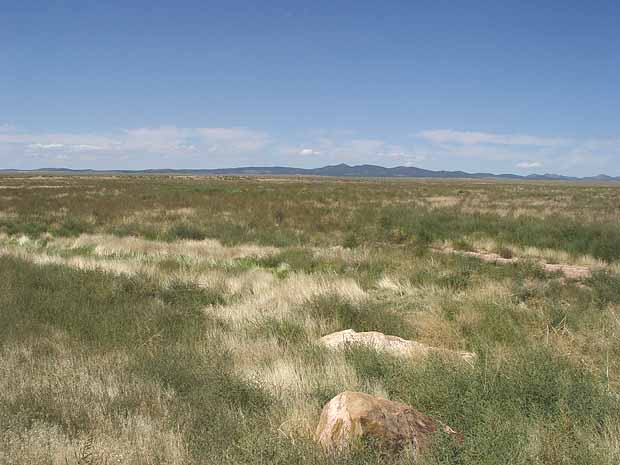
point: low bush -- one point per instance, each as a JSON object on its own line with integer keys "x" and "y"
{"x": 185, "y": 231}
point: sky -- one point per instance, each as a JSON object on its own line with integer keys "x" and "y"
{"x": 519, "y": 87}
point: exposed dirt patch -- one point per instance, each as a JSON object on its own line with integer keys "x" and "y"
{"x": 570, "y": 271}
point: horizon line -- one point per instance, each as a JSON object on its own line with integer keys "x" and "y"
{"x": 313, "y": 171}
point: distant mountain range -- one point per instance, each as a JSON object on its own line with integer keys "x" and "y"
{"x": 342, "y": 170}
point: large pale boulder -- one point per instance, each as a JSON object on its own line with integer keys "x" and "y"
{"x": 353, "y": 416}
{"x": 392, "y": 344}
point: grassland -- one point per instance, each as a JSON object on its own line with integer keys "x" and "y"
{"x": 174, "y": 320}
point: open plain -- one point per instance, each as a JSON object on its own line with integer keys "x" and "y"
{"x": 179, "y": 319}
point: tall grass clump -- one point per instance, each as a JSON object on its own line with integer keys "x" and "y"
{"x": 366, "y": 316}
{"x": 185, "y": 231}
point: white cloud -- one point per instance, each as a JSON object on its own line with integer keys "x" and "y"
{"x": 55, "y": 140}
{"x": 236, "y": 139}
{"x": 403, "y": 158}
{"x": 448, "y": 136}
{"x": 529, "y": 164}
{"x": 171, "y": 140}
{"x": 45, "y": 146}
{"x": 163, "y": 140}
{"x": 334, "y": 148}
{"x": 366, "y": 145}
{"x": 69, "y": 147}
{"x": 237, "y": 146}
{"x": 86, "y": 147}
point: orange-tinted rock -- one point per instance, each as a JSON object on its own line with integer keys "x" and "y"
{"x": 352, "y": 416}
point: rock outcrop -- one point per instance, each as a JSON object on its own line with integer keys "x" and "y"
{"x": 392, "y": 344}
{"x": 354, "y": 416}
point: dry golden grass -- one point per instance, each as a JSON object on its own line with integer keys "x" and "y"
{"x": 443, "y": 201}
{"x": 207, "y": 249}
{"x": 83, "y": 388}
{"x": 134, "y": 256}
{"x": 281, "y": 296}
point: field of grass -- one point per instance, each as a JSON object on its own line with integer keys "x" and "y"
{"x": 174, "y": 320}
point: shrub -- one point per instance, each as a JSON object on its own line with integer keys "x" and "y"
{"x": 186, "y": 231}
{"x": 30, "y": 229}
{"x": 72, "y": 227}
{"x": 350, "y": 241}
{"x": 505, "y": 252}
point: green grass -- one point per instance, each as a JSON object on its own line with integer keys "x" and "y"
{"x": 98, "y": 309}
{"x": 371, "y": 316}
{"x": 395, "y": 225}
{"x": 583, "y": 218}
{"x": 500, "y": 405}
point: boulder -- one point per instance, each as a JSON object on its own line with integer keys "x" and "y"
{"x": 354, "y": 416}
{"x": 392, "y": 344}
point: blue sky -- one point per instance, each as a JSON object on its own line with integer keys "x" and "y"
{"x": 479, "y": 86}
